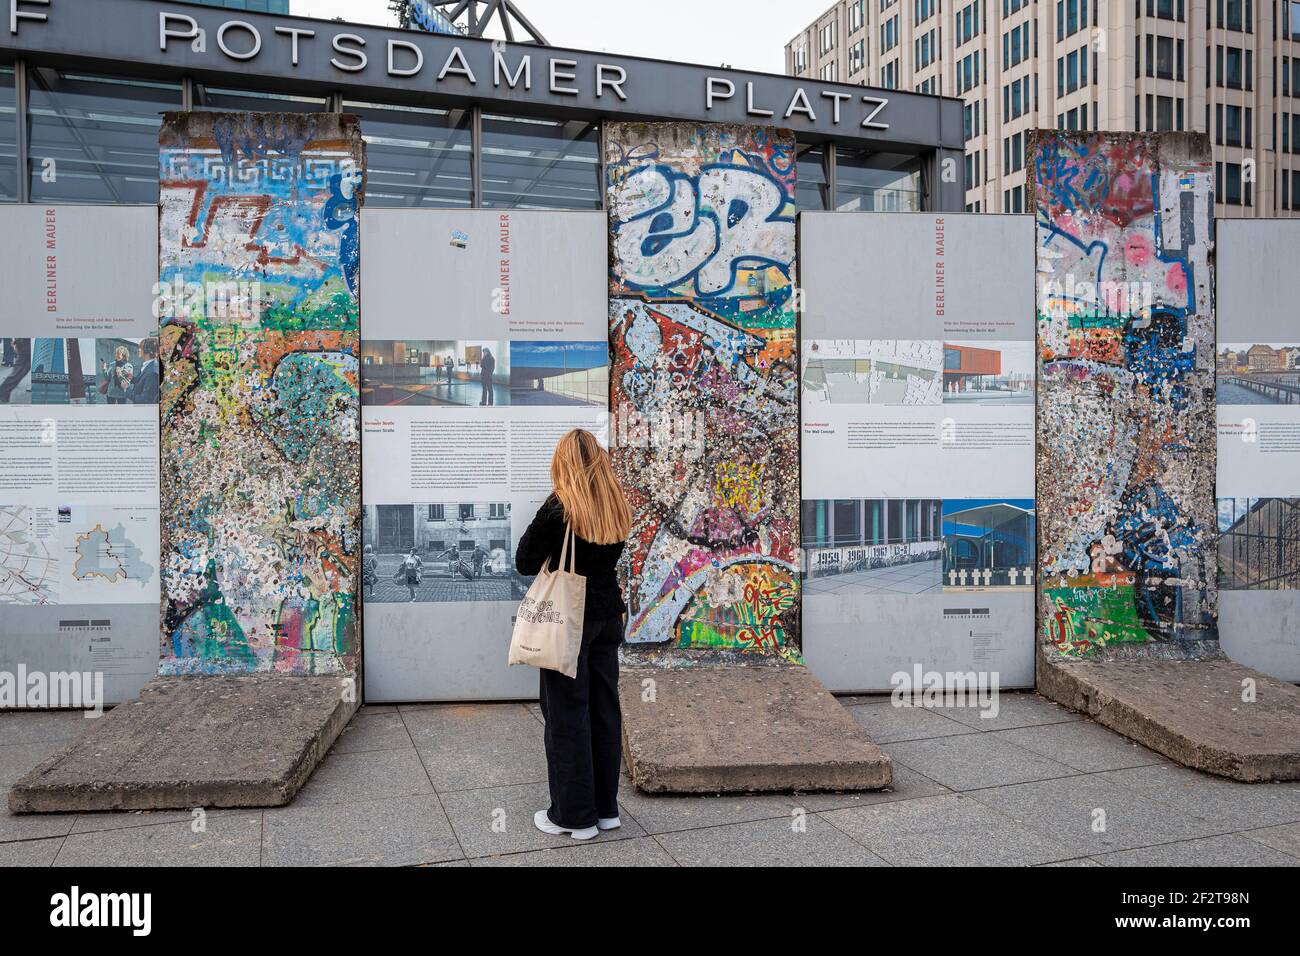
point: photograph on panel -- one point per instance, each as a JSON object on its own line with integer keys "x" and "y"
{"x": 1259, "y": 544}
{"x": 559, "y": 373}
{"x": 431, "y": 372}
{"x": 1258, "y": 373}
{"x": 988, "y": 543}
{"x": 430, "y": 552}
{"x": 988, "y": 373}
{"x": 873, "y": 372}
{"x": 872, "y": 545}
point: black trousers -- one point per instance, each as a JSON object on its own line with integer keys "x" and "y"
{"x": 584, "y": 730}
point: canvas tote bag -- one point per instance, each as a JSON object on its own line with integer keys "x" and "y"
{"x": 548, "y": 627}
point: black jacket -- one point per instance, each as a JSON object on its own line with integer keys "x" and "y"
{"x": 596, "y": 562}
{"x": 144, "y": 389}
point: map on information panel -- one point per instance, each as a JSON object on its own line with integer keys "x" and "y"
{"x": 29, "y": 566}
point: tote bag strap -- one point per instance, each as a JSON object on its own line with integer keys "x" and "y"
{"x": 569, "y": 558}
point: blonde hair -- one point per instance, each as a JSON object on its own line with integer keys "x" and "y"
{"x": 586, "y": 487}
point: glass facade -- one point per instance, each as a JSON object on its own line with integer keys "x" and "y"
{"x": 811, "y": 193}
{"x": 541, "y": 164}
{"x": 94, "y": 139}
{"x": 234, "y": 101}
{"x": 256, "y": 6}
{"x": 876, "y": 182}
{"x": 8, "y": 136}
{"x": 415, "y": 156}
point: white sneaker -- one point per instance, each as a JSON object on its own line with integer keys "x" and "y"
{"x": 543, "y": 823}
{"x": 608, "y": 823}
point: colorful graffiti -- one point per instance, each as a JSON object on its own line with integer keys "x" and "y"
{"x": 704, "y": 383}
{"x": 260, "y": 409}
{"x": 1126, "y": 426}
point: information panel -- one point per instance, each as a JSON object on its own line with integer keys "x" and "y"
{"x": 918, "y": 446}
{"x": 1258, "y": 378}
{"x": 484, "y": 341}
{"x": 79, "y": 533}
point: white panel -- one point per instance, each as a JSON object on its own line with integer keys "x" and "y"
{"x": 79, "y": 541}
{"x": 917, "y": 368}
{"x": 530, "y": 287}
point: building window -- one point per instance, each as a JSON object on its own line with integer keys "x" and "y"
{"x": 811, "y": 191}
{"x": 498, "y": 510}
{"x": 1228, "y": 182}
{"x": 540, "y": 164}
{"x": 826, "y": 38}
{"x": 857, "y": 15}
{"x": 800, "y": 59}
{"x": 889, "y": 34}
{"x": 829, "y": 70}
{"x": 94, "y": 139}
{"x": 466, "y": 512}
{"x": 437, "y": 513}
{"x": 1165, "y": 58}
{"x": 8, "y": 136}
{"x": 857, "y": 56}
{"x": 416, "y": 157}
{"x": 1232, "y": 125}
{"x": 875, "y": 182}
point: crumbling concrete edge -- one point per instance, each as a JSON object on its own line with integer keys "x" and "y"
{"x": 1059, "y": 681}
{"x": 28, "y": 795}
{"x": 852, "y": 775}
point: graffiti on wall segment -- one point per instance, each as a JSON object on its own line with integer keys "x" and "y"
{"x": 704, "y": 382}
{"x": 1126, "y": 426}
{"x": 260, "y": 413}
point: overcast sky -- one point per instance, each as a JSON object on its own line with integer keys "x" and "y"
{"x": 744, "y": 34}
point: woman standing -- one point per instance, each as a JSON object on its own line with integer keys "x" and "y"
{"x": 583, "y": 724}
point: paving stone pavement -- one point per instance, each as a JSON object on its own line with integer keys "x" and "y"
{"x": 457, "y": 784}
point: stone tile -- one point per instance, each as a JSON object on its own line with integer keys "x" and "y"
{"x": 1229, "y": 804}
{"x": 233, "y": 839}
{"x": 1066, "y": 810}
{"x": 666, "y": 813}
{"x": 1231, "y": 849}
{"x": 768, "y": 843}
{"x": 401, "y": 831}
{"x": 369, "y": 731}
{"x": 970, "y": 761}
{"x": 886, "y": 723}
{"x": 32, "y": 726}
{"x": 472, "y": 746}
{"x": 372, "y": 710}
{"x": 950, "y": 830}
{"x": 361, "y": 777}
{"x": 1081, "y": 861}
{"x": 1285, "y": 838}
{"x": 1015, "y": 709}
{"x": 1083, "y": 745}
{"x": 499, "y": 820}
{"x": 30, "y": 852}
{"x": 33, "y": 826}
{"x": 98, "y": 822}
{"x": 17, "y": 759}
{"x": 640, "y": 851}
{"x": 535, "y": 709}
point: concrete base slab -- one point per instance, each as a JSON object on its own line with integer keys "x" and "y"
{"x": 738, "y": 729}
{"x": 206, "y": 741}
{"x": 1191, "y": 711}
